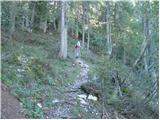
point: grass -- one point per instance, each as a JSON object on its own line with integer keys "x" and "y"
{"x": 33, "y": 72}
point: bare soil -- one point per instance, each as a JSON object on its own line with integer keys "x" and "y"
{"x": 10, "y": 106}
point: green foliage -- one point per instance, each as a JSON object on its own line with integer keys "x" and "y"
{"x": 36, "y": 70}
{"x": 99, "y": 41}
{"x": 5, "y": 18}
{"x": 32, "y": 110}
{"x": 42, "y": 9}
{"x": 106, "y": 69}
{"x": 8, "y": 75}
{"x": 125, "y": 90}
{"x": 115, "y": 101}
{"x": 103, "y": 69}
{"x": 21, "y": 92}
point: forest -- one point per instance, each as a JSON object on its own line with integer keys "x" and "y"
{"x": 80, "y": 59}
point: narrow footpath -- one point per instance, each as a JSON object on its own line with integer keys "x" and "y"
{"x": 74, "y": 97}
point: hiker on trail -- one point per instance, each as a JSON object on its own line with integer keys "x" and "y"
{"x": 77, "y": 49}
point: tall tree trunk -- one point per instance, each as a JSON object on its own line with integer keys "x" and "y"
{"x": 23, "y": 22}
{"x": 108, "y": 29}
{"x": 110, "y": 40}
{"x": 124, "y": 56}
{"x": 145, "y": 45}
{"x": 63, "y": 47}
{"x": 88, "y": 41}
{"x": 33, "y": 14}
{"x": 45, "y": 26}
{"x": 59, "y": 16}
{"x": 77, "y": 22}
{"x": 145, "y": 60}
{"x": 54, "y": 24}
{"x": 12, "y": 17}
{"x": 83, "y": 36}
{"x": 88, "y": 26}
{"x": 77, "y": 30}
{"x": 27, "y": 21}
{"x": 54, "y": 19}
{"x": 72, "y": 31}
{"x": 146, "y": 39}
{"x": 83, "y": 26}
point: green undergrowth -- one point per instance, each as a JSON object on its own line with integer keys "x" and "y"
{"x": 130, "y": 104}
{"x": 33, "y": 72}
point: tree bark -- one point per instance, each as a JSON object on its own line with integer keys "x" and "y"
{"x": 77, "y": 30}
{"x": 54, "y": 18}
{"x": 83, "y": 36}
{"x": 83, "y": 31}
{"x": 88, "y": 41}
{"x": 77, "y": 22}
{"x": 108, "y": 29}
{"x": 88, "y": 26}
{"x": 59, "y": 10}
{"x": 33, "y": 14}
{"x": 63, "y": 47}
{"x": 54, "y": 24}
{"x": 45, "y": 26}
{"x": 12, "y": 17}
{"x": 146, "y": 39}
{"x": 27, "y": 21}
{"x": 23, "y": 22}
{"x": 124, "y": 56}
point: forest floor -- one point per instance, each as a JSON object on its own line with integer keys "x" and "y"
{"x": 11, "y": 106}
{"x": 76, "y": 105}
{"x": 37, "y": 84}
{"x": 74, "y": 98}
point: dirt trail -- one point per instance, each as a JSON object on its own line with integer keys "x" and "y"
{"x": 10, "y": 106}
{"x": 65, "y": 106}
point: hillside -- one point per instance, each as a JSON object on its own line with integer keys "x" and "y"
{"x": 80, "y": 60}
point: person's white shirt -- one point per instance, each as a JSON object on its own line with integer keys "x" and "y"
{"x": 78, "y": 44}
